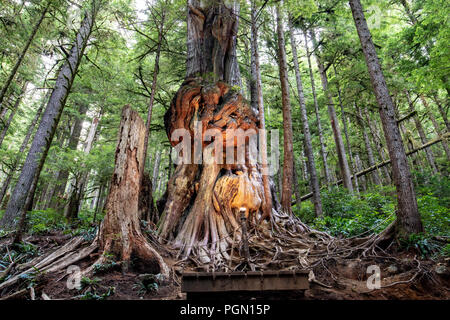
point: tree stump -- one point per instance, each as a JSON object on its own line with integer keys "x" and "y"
{"x": 120, "y": 232}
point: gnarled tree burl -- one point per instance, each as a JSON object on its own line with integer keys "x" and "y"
{"x": 203, "y": 199}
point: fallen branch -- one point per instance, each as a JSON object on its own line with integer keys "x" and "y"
{"x": 5, "y": 272}
{"x": 409, "y": 115}
{"x": 16, "y": 294}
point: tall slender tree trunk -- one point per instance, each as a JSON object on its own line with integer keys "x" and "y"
{"x": 304, "y": 166}
{"x": 442, "y": 112}
{"x": 408, "y": 214}
{"x": 323, "y": 151}
{"x": 359, "y": 168}
{"x": 347, "y": 140}
{"x": 46, "y": 130}
{"x": 153, "y": 89}
{"x": 306, "y": 132}
{"x": 375, "y": 175}
{"x": 77, "y": 193}
{"x": 22, "y": 148}
{"x": 19, "y": 61}
{"x": 288, "y": 170}
{"x": 74, "y": 139}
{"x": 156, "y": 168}
{"x": 13, "y": 113}
{"x": 422, "y": 135}
{"x": 298, "y": 197}
{"x": 258, "y": 104}
{"x": 436, "y": 126}
{"x": 376, "y": 138}
{"x": 343, "y": 163}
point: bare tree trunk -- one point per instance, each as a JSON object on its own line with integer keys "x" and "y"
{"x": 343, "y": 163}
{"x": 46, "y": 130}
{"x": 442, "y": 112}
{"x": 22, "y": 148}
{"x": 153, "y": 89}
{"x": 77, "y": 193}
{"x": 63, "y": 175}
{"x": 13, "y": 112}
{"x": 347, "y": 140}
{"x": 376, "y": 138}
{"x": 97, "y": 202}
{"x": 298, "y": 196}
{"x": 258, "y": 104}
{"x": 156, "y": 168}
{"x": 307, "y": 134}
{"x": 408, "y": 216}
{"x": 323, "y": 151}
{"x": 435, "y": 125}
{"x": 304, "y": 166}
{"x": 359, "y": 167}
{"x": 375, "y": 175}
{"x": 422, "y": 135}
{"x": 120, "y": 233}
{"x": 286, "y": 192}
{"x": 19, "y": 61}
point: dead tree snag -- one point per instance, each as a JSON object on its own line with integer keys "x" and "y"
{"x": 120, "y": 232}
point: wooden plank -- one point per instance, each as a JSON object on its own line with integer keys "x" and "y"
{"x": 244, "y": 281}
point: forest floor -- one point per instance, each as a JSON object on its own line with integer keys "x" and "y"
{"x": 338, "y": 279}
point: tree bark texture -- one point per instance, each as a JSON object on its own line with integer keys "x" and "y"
{"x": 288, "y": 170}
{"x": 120, "y": 233}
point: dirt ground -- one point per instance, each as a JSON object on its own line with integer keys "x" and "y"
{"x": 405, "y": 277}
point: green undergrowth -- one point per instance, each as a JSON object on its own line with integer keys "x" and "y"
{"x": 347, "y": 215}
{"x": 42, "y": 222}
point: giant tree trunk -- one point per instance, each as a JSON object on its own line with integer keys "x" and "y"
{"x": 204, "y": 197}
{"x": 407, "y": 214}
{"x": 120, "y": 233}
{"x": 50, "y": 118}
{"x": 307, "y": 134}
